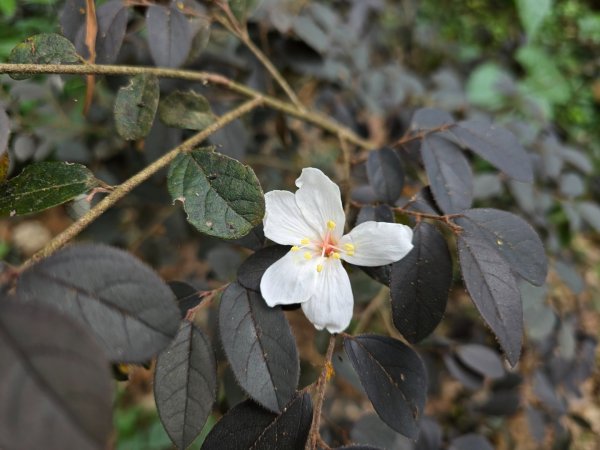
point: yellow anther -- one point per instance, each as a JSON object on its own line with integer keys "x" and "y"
{"x": 335, "y": 255}
{"x": 295, "y": 248}
{"x": 307, "y": 255}
{"x": 349, "y": 247}
{"x": 319, "y": 267}
{"x": 350, "y": 253}
{"x": 330, "y": 224}
{"x": 305, "y": 241}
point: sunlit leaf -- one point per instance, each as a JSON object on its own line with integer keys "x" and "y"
{"x": 44, "y": 185}
{"x": 47, "y": 48}
{"x": 221, "y": 196}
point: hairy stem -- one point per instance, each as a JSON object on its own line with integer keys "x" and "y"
{"x": 127, "y": 186}
{"x": 312, "y": 117}
{"x": 314, "y": 437}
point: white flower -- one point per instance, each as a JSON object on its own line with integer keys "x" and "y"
{"x": 311, "y": 273}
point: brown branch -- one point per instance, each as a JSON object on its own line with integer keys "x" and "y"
{"x": 314, "y": 436}
{"x": 127, "y": 186}
{"x": 315, "y": 118}
{"x": 91, "y": 30}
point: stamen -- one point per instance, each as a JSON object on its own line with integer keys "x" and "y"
{"x": 295, "y": 248}
{"x": 349, "y": 247}
{"x": 305, "y": 241}
{"x": 330, "y": 224}
{"x": 335, "y": 255}
{"x": 319, "y": 268}
{"x": 307, "y": 256}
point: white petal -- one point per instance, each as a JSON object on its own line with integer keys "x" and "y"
{"x": 289, "y": 280}
{"x": 320, "y": 201}
{"x": 377, "y": 243}
{"x": 283, "y": 222}
{"x": 332, "y": 303}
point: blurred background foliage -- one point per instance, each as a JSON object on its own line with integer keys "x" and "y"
{"x": 533, "y": 65}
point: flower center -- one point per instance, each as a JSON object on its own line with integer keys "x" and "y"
{"x": 323, "y": 249}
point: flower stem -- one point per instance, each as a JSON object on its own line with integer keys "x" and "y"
{"x": 314, "y": 436}
{"x": 313, "y": 117}
{"x": 127, "y": 186}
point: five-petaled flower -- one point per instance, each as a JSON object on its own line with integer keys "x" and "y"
{"x": 312, "y": 221}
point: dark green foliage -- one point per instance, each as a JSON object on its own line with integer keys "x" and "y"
{"x": 135, "y": 106}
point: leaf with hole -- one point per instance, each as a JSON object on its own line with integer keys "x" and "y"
{"x": 496, "y": 145}
{"x": 46, "y": 48}
{"x": 511, "y": 237}
{"x": 251, "y": 271}
{"x": 185, "y": 384}
{"x": 394, "y": 377}
{"x": 386, "y": 174}
{"x": 247, "y": 425}
{"x": 493, "y": 289}
{"x": 169, "y": 35}
{"x": 56, "y": 390}
{"x": 260, "y": 347}
{"x": 43, "y": 185}
{"x": 135, "y": 106}
{"x": 420, "y": 284}
{"x": 120, "y": 300}
{"x": 221, "y": 196}
{"x": 449, "y": 174}
{"x": 188, "y": 110}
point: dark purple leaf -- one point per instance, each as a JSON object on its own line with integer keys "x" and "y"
{"x": 430, "y": 435}
{"x": 251, "y": 271}
{"x": 449, "y": 174}
{"x": 169, "y": 35}
{"x": 512, "y": 237}
{"x": 247, "y": 425}
{"x": 371, "y": 430}
{"x": 424, "y": 202}
{"x": 496, "y": 145}
{"x": 185, "y": 384}
{"x": 462, "y": 373}
{"x": 420, "y": 283}
{"x": 120, "y": 300}
{"x": 537, "y": 424}
{"x": 379, "y": 213}
{"x": 260, "y": 347}
{"x": 112, "y": 19}
{"x": 494, "y": 291}
{"x": 386, "y": 174}
{"x": 186, "y": 296}
{"x": 55, "y": 382}
{"x": 430, "y": 118}
{"x": 394, "y": 378}
{"x": 481, "y": 360}
{"x": 470, "y": 442}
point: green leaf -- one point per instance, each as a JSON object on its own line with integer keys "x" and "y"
{"x": 221, "y": 196}
{"x": 544, "y": 78}
{"x": 136, "y": 106}
{"x": 241, "y": 8}
{"x": 44, "y": 185}
{"x": 188, "y": 110}
{"x": 47, "y": 48}
{"x": 487, "y": 85}
{"x": 532, "y": 13}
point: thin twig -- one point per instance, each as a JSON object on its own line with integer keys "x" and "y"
{"x": 127, "y": 186}
{"x": 313, "y": 437}
{"x": 316, "y": 118}
{"x": 243, "y": 36}
{"x": 375, "y": 304}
